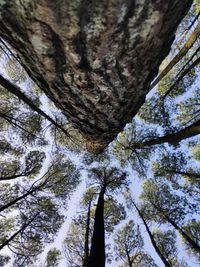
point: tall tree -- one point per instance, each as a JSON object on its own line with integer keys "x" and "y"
{"x": 109, "y": 181}
{"x": 160, "y": 204}
{"x": 131, "y": 203}
{"x": 77, "y": 249}
{"x": 166, "y": 241}
{"x": 103, "y": 66}
{"x": 36, "y": 224}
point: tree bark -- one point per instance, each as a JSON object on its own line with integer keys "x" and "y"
{"x": 96, "y": 68}
{"x": 162, "y": 257}
{"x": 174, "y": 138}
{"x": 97, "y": 251}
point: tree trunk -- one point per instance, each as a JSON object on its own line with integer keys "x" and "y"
{"x": 94, "y": 59}
{"x": 130, "y": 261}
{"x": 5, "y": 178}
{"x": 86, "y": 248}
{"x": 174, "y": 138}
{"x": 14, "y": 89}
{"x": 190, "y": 241}
{"x": 162, "y": 257}
{"x": 29, "y": 192}
{"x": 189, "y": 174}
{"x": 97, "y": 251}
{"x": 187, "y": 238}
{"x": 25, "y": 225}
{"x": 190, "y": 42}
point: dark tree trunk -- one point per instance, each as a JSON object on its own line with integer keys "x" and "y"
{"x": 14, "y": 89}
{"x": 130, "y": 261}
{"x": 5, "y": 178}
{"x": 190, "y": 241}
{"x": 97, "y": 251}
{"x": 86, "y": 248}
{"x": 16, "y": 200}
{"x": 162, "y": 257}
{"x": 189, "y": 174}
{"x": 187, "y": 238}
{"x": 24, "y": 226}
{"x": 94, "y": 59}
{"x": 174, "y": 138}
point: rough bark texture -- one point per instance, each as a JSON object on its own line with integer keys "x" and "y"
{"x": 94, "y": 59}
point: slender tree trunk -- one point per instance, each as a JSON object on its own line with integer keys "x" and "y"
{"x": 5, "y": 178}
{"x": 29, "y": 192}
{"x": 174, "y": 138}
{"x": 86, "y": 248}
{"x": 130, "y": 262}
{"x": 96, "y": 68}
{"x": 187, "y": 238}
{"x": 97, "y": 251}
{"x": 14, "y": 89}
{"x": 182, "y": 75}
{"x": 189, "y": 174}
{"x": 25, "y": 225}
{"x": 190, "y": 42}
{"x": 15, "y": 122}
{"x": 192, "y": 243}
{"x": 162, "y": 257}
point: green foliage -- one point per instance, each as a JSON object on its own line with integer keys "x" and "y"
{"x": 114, "y": 179}
{"x": 129, "y": 247}
{"x": 160, "y": 202}
{"x": 74, "y": 244}
{"x": 189, "y": 108}
{"x": 166, "y": 242}
{"x": 192, "y": 228}
{"x": 53, "y": 258}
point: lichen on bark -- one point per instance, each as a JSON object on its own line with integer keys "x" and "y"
{"x": 94, "y": 59}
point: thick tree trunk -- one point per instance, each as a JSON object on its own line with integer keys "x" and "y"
{"x": 97, "y": 251}
{"x": 162, "y": 257}
{"x": 94, "y": 59}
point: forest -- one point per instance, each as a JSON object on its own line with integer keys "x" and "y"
{"x": 99, "y": 133}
